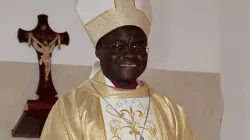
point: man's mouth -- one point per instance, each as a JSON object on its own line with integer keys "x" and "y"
{"x": 128, "y": 65}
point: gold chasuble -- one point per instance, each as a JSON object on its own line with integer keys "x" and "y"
{"x": 99, "y": 111}
{"x": 83, "y": 115}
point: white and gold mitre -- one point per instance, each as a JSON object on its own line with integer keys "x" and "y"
{"x": 102, "y": 16}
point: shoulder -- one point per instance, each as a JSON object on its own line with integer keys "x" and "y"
{"x": 69, "y": 105}
{"x": 176, "y": 113}
{"x": 164, "y": 100}
{"x": 162, "y": 97}
{"x": 75, "y": 96}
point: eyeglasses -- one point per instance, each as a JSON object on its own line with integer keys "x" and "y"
{"x": 120, "y": 48}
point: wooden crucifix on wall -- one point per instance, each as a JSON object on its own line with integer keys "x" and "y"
{"x": 44, "y": 40}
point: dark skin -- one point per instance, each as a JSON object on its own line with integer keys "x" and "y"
{"x": 123, "y": 54}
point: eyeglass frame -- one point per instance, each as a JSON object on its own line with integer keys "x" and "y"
{"x": 126, "y": 48}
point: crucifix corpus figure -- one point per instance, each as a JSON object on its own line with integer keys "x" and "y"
{"x": 46, "y": 48}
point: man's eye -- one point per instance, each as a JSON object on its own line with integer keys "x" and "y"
{"x": 117, "y": 46}
{"x": 138, "y": 46}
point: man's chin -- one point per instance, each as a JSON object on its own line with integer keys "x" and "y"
{"x": 127, "y": 78}
{"x": 127, "y": 75}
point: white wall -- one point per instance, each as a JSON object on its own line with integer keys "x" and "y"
{"x": 191, "y": 37}
{"x": 186, "y": 33}
{"x": 236, "y": 68}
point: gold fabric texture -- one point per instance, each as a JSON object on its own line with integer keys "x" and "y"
{"x": 123, "y": 13}
{"x": 78, "y": 115}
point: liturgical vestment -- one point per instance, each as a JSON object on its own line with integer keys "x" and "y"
{"x": 84, "y": 114}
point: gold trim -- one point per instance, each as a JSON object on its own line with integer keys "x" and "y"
{"x": 112, "y": 9}
{"x": 156, "y": 116}
{"x": 112, "y": 92}
{"x": 134, "y": 4}
{"x": 115, "y": 3}
{"x": 116, "y": 17}
{"x": 105, "y": 130}
{"x": 141, "y": 11}
{"x": 143, "y": 14}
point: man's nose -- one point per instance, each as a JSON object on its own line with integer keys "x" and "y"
{"x": 129, "y": 53}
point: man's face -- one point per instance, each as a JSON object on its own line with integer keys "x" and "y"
{"x": 123, "y": 53}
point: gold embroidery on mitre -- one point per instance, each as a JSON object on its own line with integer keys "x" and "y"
{"x": 124, "y": 13}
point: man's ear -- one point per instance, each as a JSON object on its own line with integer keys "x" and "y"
{"x": 97, "y": 52}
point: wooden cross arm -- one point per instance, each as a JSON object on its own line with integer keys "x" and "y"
{"x": 42, "y": 32}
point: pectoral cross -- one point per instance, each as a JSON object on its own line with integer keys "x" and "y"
{"x": 43, "y": 39}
